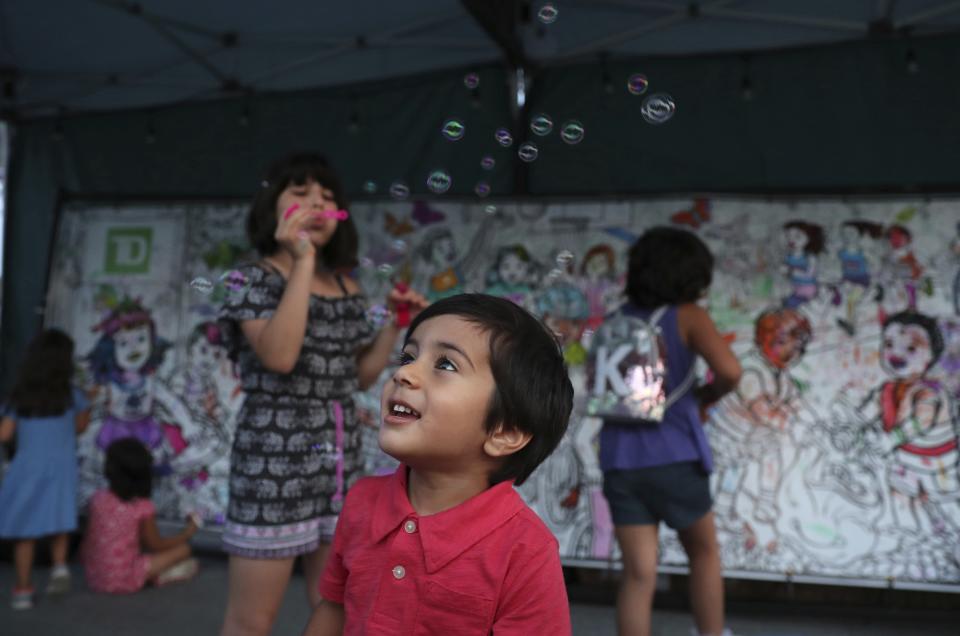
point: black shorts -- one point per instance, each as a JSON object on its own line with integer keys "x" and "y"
{"x": 677, "y": 494}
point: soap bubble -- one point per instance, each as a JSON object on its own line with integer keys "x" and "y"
{"x": 482, "y": 189}
{"x": 366, "y": 262}
{"x": 377, "y": 315}
{"x": 471, "y": 80}
{"x": 503, "y": 137}
{"x": 399, "y": 190}
{"x": 201, "y": 285}
{"x": 564, "y": 258}
{"x": 453, "y": 130}
{"x": 439, "y": 181}
{"x": 658, "y": 108}
{"x": 572, "y": 132}
{"x": 488, "y": 162}
{"x": 234, "y": 281}
{"x": 370, "y": 187}
{"x": 399, "y": 246}
{"x": 541, "y": 125}
{"x": 528, "y": 151}
{"x": 385, "y": 269}
{"x": 490, "y": 210}
{"x": 547, "y": 13}
{"x": 637, "y": 84}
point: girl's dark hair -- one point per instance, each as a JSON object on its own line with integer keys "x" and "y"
{"x": 668, "y": 266}
{"x": 816, "y": 241}
{"x": 129, "y": 469}
{"x": 926, "y": 323}
{"x": 532, "y": 390}
{"x": 42, "y": 388}
{"x": 341, "y": 251}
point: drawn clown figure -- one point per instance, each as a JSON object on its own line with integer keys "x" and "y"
{"x": 754, "y": 435}
{"x": 914, "y": 425}
{"x": 901, "y": 273}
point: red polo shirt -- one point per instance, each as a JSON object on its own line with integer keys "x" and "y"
{"x": 488, "y": 565}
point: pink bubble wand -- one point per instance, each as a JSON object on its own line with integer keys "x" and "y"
{"x": 340, "y": 215}
{"x": 293, "y": 208}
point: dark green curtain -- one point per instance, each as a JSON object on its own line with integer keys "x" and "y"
{"x": 847, "y": 118}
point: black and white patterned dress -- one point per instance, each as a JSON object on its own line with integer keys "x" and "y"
{"x": 296, "y": 449}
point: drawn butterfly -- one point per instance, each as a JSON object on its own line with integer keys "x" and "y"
{"x": 396, "y": 227}
{"x": 695, "y": 216}
{"x": 425, "y": 215}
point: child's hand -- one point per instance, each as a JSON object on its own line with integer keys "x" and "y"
{"x": 292, "y": 233}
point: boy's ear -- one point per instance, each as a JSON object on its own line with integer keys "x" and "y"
{"x": 504, "y": 441}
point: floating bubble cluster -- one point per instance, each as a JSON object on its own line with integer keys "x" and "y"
{"x": 453, "y": 130}
{"x": 572, "y": 132}
{"x": 637, "y": 84}
{"x": 658, "y": 108}
{"x": 528, "y": 152}
{"x": 541, "y": 125}
{"x": 548, "y": 13}
{"x": 377, "y": 315}
{"x": 439, "y": 181}
{"x": 399, "y": 191}
{"x": 201, "y": 285}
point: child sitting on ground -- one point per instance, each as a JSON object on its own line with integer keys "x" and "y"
{"x": 122, "y": 519}
{"x": 445, "y": 544}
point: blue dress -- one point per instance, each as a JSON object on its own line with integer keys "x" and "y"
{"x": 38, "y": 496}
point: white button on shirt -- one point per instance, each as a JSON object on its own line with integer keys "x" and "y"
{"x": 399, "y": 572}
{"x": 410, "y": 526}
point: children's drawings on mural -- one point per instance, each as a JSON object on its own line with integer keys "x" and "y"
{"x": 837, "y": 456}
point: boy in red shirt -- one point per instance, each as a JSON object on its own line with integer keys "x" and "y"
{"x": 445, "y": 545}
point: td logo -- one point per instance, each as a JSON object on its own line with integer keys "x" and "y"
{"x": 128, "y": 250}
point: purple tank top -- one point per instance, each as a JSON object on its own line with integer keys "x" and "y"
{"x": 680, "y": 436}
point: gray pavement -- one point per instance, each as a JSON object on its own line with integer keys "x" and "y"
{"x": 196, "y": 607}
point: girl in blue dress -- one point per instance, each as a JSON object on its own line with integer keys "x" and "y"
{"x": 38, "y": 496}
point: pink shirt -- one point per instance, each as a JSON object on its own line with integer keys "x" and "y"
{"x": 486, "y": 565}
{"x": 111, "y": 552}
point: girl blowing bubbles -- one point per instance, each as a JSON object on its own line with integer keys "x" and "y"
{"x": 122, "y": 519}
{"x": 304, "y": 349}
{"x": 38, "y": 497}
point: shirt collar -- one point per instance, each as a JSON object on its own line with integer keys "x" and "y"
{"x": 445, "y": 535}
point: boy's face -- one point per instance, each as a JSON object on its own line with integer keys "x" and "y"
{"x": 445, "y": 379}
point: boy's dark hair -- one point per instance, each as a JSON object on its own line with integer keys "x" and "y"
{"x": 341, "y": 251}
{"x": 42, "y": 388}
{"x": 129, "y": 469}
{"x": 668, "y": 266}
{"x": 926, "y": 323}
{"x": 532, "y": 390}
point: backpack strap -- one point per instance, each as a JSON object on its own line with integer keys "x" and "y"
{"x": 688, "y": 381}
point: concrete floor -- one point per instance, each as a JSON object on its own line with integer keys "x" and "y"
{"x": 196, "y": 607}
